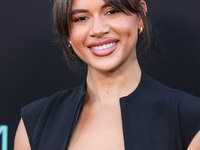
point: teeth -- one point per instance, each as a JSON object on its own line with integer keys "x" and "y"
{"x": 103, "y": 46}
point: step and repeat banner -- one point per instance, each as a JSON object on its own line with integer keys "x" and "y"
{"x": 32, "y": 65}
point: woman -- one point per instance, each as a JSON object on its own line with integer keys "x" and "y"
{"x": 118, "y": 107}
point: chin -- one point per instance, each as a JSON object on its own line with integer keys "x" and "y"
{"x": 105, "y": 68}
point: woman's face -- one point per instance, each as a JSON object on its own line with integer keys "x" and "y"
{"x": 103, "y": 37}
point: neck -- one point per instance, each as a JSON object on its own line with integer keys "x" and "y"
{"x": 107, "y": 87}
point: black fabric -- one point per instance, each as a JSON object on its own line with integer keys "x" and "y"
{"x": 154, "y": 117}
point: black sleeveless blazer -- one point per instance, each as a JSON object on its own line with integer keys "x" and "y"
{"x": 154, "y": 117}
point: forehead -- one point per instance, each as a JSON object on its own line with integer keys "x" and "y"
{"x": 86, "y": 3}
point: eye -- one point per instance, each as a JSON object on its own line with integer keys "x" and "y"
{"x": 80, "y": 19}
{"x": 112, "y": 12}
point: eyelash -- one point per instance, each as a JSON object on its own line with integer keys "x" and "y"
{"x": 82, "y": 18}
{"x": 113, "y": 11}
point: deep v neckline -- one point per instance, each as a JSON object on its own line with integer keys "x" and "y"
{"x": 79, "y": 107}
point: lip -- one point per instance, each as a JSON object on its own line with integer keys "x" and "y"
{"x": 102, "y": 42}
{"x": 103, "y": 52}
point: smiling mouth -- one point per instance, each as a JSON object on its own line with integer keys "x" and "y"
{"x": 104, "y": 46}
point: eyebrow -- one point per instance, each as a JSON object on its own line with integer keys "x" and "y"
{"x": 76, "y": 11}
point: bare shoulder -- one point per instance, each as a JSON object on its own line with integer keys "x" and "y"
{"x": 21, "y": 138}
{"x": 195, "y": 144}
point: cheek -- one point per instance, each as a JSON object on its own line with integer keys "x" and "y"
{"x": 127, "y": 27}
{"x": 130, "y": 26}
{"x": 78, "y": 34}
{"x": 129, "y": 34}
{"x": 77, "y": 38}
{"x": 128, "y": 31}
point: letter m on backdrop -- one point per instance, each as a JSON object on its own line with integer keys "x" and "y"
{"x": 4, "y": 137}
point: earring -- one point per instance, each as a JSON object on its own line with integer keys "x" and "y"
{"x": 141, "y": 29}
{"x": 69, "y": 43}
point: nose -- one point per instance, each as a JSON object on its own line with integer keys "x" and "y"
{"x": 99, "y": 27}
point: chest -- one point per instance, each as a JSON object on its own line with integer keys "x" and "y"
{"x": 98, "y": 129}
{"x": 131, "y": 126}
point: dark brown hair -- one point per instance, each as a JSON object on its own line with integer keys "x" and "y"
{"x": 62, "y": 19}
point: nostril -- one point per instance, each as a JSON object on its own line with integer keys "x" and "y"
{"x": 99, "y": 28}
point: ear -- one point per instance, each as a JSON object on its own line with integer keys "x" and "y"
{"x": 144, "y": 6}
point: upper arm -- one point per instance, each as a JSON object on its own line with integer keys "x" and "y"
{"x": 195, "y": 144}
{"x": 189, "y": 113}
{"x": 21, "y": 138}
